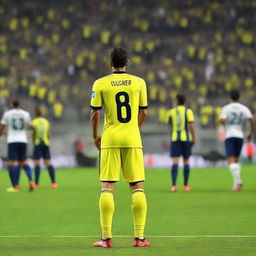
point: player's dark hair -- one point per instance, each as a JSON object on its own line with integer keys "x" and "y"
{"x": 181, "y": 99}
{"x": 38, "y": 112}
{"x": 118, "y": 57}
{"x": 234, "y": 95}
{"x": 15, "y": 103}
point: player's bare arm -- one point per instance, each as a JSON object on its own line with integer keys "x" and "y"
{"x": 33, "y": 135}
{"x": 2, "y": 127}
{"x": 251, "y": 129}
{"x": 222, "y": 121}
{"x": 142, "y": 116}
{"x": 95, "y": 122}
{"x": 191, "y": 126}
{"x": 33, "y": 131}
{"x": 31, "y": 128}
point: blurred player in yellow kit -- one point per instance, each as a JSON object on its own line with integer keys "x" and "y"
{"x": 183, "y": 137}
{"x": 124, "y": 98}
{"x": 41, "y": 138}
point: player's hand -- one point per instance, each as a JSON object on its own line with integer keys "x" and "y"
{"x": 249, "y": 137}
{"x": 97, "y": 142}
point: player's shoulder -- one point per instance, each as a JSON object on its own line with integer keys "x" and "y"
{"x": 14, "y": 111}
{"x": 172, "y": 110}
{"x": 236, "y": 105}
{"x": 45, "y": 120}
{"x": 100, "y": 82}
{"x": 243, "y": 106}
{"x": 190, "y": 113}
{"x": 246, "y": 110}
{"x": 24, "y": 113}
{"x": 36, "y": 119}
{"x": 189, "y": 110}
{"x": 40, "y": 119}
{"x": 136, "y": 78}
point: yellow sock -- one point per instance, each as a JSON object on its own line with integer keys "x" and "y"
{"x": 107, "y": 208}
{"x": 139, "y": 210}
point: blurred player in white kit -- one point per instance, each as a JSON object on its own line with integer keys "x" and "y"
{"x": 233, "y": 117}
{"x": 17, "y": 121}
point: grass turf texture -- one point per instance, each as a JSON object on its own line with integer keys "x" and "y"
{"x": 72, "y": 210}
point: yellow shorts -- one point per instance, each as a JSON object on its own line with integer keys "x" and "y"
{"x": 129, "y": 159}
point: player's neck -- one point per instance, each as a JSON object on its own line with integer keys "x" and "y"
{"x": 119, "y": 69}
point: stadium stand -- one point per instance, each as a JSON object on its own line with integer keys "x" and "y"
{"x": 51, "y": 51}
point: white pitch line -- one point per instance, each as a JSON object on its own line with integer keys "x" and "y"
{"x": 124, "y": 236}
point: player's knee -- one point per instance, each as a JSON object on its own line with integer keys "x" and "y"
{"x": 175, "y": 160}
{"x": 47, "y": 162}
{"x": 108, "y": 184}
{"x": 186, "y": 160}
{"x": 10, "y": 163}
{"x": 137, "y": 185}
{"x": 37, "y": 162}
{"x": 23, "y": 163}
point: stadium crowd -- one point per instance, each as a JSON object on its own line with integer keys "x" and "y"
{"x": 52, "y": 51}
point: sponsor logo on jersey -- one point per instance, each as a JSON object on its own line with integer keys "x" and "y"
{"x": 93, "y": 95}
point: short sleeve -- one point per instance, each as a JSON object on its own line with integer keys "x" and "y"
{"x": 29, "y": 120}
{"x": 190, "y": 116}
{"x": 4, "y": 120}
{"x": 223, "y": 114}
{"x": 143, "y": 104}
{"x": 248, "y": 113}
{"x": 96, "y": 96}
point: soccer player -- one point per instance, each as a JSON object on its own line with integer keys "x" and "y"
{"x": 233, "y": 117}
{"x": 17, "y": 121}
{"x": 181, "y": 120}
{"x": 124, "y": 98}
{"x": 41, "y": 139}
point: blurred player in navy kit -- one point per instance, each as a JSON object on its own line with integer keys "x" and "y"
{"x": 41, "y": 139}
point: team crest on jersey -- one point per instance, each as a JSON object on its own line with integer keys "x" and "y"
{"x": 93, "y": 94}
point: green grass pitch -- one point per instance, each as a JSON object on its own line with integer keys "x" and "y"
{"x": 72, "y": 210}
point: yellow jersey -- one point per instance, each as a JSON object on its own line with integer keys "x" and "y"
{"x": 179, "y": 118}
{"x": 121, "y": 95}
{"x": 42, "y": 127}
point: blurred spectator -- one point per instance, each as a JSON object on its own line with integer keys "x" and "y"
{"x": 54, "y": 50}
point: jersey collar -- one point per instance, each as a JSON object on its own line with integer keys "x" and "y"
{"x": 119, "y": 72}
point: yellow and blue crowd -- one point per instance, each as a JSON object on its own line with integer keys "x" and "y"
{"x": 52, "y": 51}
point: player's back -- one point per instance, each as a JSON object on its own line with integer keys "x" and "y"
{"x": 235, "y": 114}
{"x": 42, "y": 127}
{"x": 179, "y": 118}
{"x": 122, "y": 95}
{"x": 16, "y": 121}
